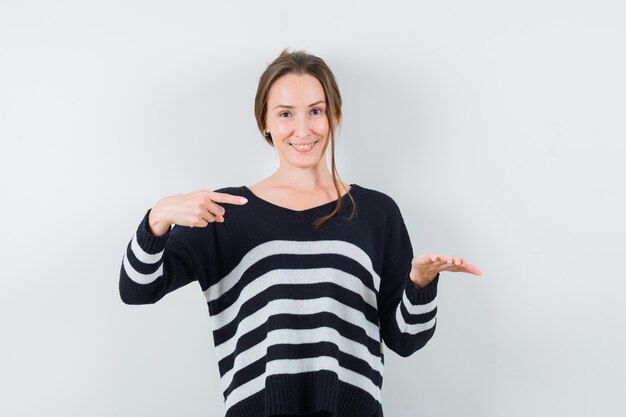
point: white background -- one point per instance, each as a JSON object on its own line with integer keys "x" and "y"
{"x": 498, "y": 127}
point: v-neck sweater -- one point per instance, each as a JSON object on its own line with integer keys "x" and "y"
{"x": 299, "y": 315}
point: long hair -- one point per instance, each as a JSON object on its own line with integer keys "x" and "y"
{"x": 301, "y": 62}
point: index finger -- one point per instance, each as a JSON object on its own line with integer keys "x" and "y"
{"x": 228, "y": 198}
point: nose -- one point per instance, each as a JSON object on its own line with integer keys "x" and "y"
{"x": 302, "y": 128}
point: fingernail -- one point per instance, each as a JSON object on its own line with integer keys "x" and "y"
{"x": 243, "y": 200}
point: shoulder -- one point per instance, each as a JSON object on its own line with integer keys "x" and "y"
{"x": 376, "y": 199}
{"x": 231, "y": 189}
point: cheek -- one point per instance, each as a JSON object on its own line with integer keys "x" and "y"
{"x": 321, "y": 126}
{"x": 282, "y": 129}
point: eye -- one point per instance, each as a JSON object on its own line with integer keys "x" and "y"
{"x": 320, "y": 110}
{"x": 285, "y": 112}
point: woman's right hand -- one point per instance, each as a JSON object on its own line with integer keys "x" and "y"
{"x": 195, "y": 209}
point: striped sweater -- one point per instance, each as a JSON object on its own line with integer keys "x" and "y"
{"x": 298, "y": 314}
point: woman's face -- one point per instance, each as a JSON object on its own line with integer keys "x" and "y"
{"x": 296, "y": 115}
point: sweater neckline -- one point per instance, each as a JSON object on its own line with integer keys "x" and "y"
{"x": 353, "y": 187}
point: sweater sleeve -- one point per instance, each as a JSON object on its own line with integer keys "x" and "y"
{"x": 154, "y": 266}
{"x": 407, "y": 314}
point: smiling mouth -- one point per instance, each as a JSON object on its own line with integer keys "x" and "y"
{"x": 304, "y": 147}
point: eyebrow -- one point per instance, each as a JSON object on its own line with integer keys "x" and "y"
{"x": 291, "y": 107}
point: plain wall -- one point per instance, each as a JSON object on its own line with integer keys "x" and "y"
{"x": 498, "y": 127}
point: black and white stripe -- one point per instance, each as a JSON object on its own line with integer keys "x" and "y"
{"x": 257, "y": 289}
{"x": 290, "y": 306}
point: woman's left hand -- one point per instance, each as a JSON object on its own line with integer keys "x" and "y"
{"x": 424, "y": 268}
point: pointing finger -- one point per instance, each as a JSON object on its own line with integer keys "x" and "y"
{"x": 228, "y": 198}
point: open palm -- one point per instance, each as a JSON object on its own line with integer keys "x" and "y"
{"x": 424, "y": 268}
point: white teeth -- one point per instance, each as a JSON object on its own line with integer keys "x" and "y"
{"x": 303, "y": 146}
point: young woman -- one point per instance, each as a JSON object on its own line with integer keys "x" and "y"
{"x": 305, "y": 276}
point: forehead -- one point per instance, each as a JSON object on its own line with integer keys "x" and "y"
{"x": 296, "y": 89}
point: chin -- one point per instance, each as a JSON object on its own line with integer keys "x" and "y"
{"x": 300, "y": 164}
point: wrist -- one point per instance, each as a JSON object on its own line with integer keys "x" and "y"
{"x": 157, "y": 226}
{"x": 419, "y": 280}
